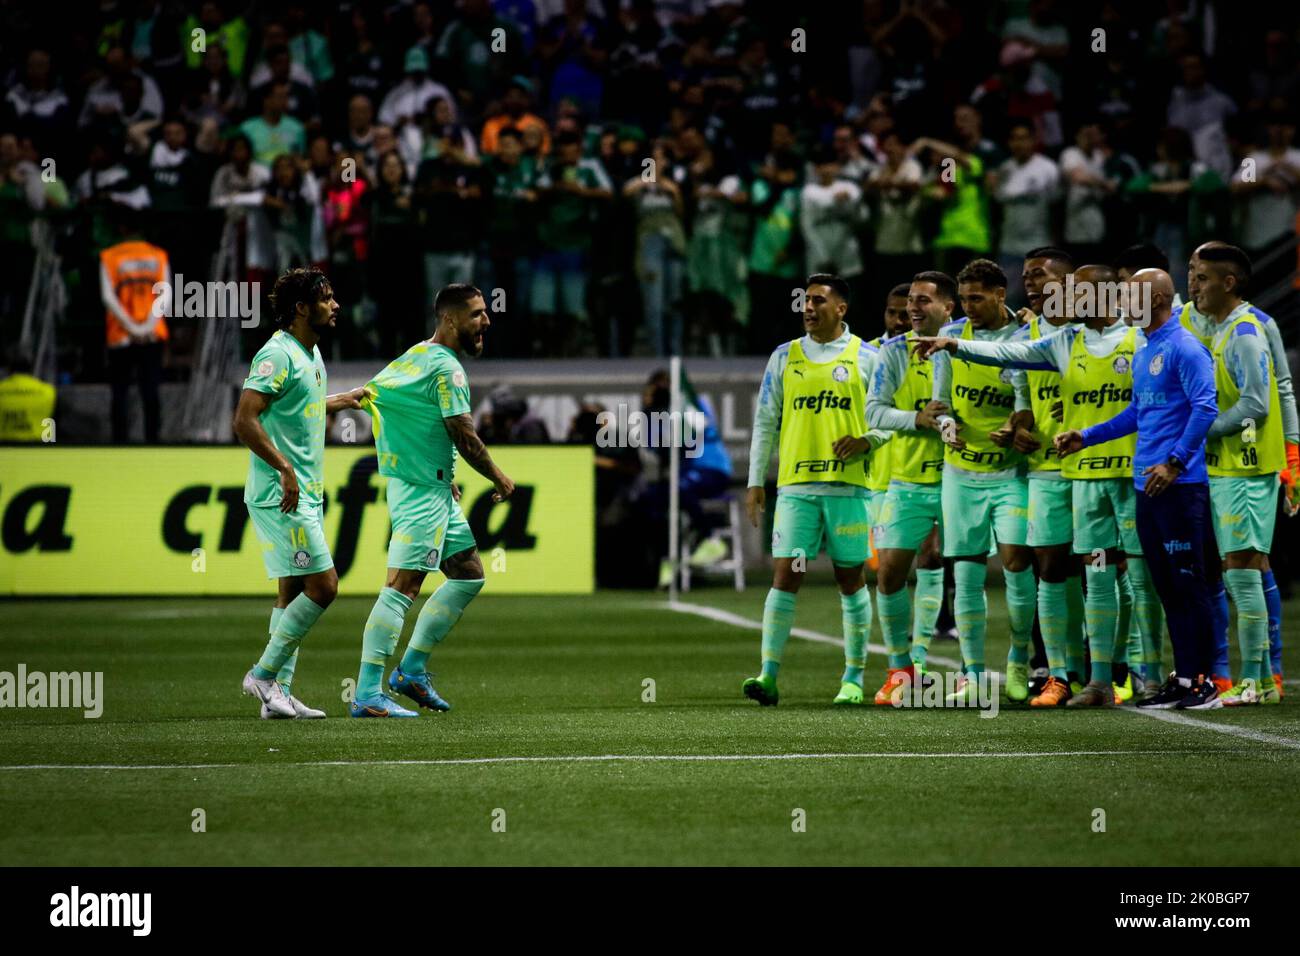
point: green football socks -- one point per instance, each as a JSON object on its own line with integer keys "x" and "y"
{"x": 778, "y": 618}
{"x": 970, "y": 609}
{"x": 383, "y": 628}
{"x": 895, "y": 612}
{"x": 1053, "y": 618}
{"x": 929, "y": 599}
{"x": 855, "y": 611}
{"x": 1022, "y": 598}
{"x": 1247, "y": 589}
{"x": 1102, "y": 611}
{"x": 438, "y": 616}
{"x": 293, "y": 625}
{"x": 1074, "y": 628}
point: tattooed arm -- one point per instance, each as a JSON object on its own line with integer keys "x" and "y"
{"x": 460, "y": 428}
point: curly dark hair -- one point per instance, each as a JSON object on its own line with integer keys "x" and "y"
{"x": 984, "y": 271}
{"x": 305, "y": 286}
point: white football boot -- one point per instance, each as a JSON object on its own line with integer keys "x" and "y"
{"x": 271, "y": 694}
{"x": 300, "y": 711}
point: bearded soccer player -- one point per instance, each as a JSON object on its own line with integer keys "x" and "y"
{"x": 1095, "y": 365}
{"x": 985, "y": 489}
{"x": 1244, "y": 455}
{"x": 281, "y": 418}
{"x": 419, "y": 406}
{"x": 1172, "y": 409}
{"x": 1204, "y": 327}
{"x": 911, "y": 518}
{"x": 813, "y": 397}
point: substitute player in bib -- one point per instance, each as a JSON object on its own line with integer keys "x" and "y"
{"x": 1060, "y": 588}
{"x": 1095, "y": 362}
{"x": 1204, "y": 327}
{"x": 1244, "y": 454}
{"x": 281, "y": 418}
{"x": 911, "y": 519}
{"x": 896, "y": 323}
{"x": 419, "y": 406}
{"x": 985, "y": 491}
{"x": 813, "y": 397}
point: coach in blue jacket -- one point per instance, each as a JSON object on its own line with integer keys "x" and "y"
{"x": 1174, "y": 402}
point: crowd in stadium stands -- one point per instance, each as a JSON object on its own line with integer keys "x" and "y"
{"x": 628, "y": 177}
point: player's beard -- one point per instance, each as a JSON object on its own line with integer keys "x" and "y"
{"x": 470, "y": 344}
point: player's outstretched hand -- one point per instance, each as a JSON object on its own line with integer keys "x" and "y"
{"x": 504, "y": 487}
{"x": 928, "y": 417}
{"x": 1067, "y": 443}
{"x": 288, "y": 491}
{"x": 755, "y": 503}
{"x": 850, "y": 447}
{"x": 924, "y": 346}
{"x": 455, "y": 491}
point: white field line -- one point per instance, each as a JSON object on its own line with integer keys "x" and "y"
{"x": 610, "y": 758}
{"x": 1181, "y": 718}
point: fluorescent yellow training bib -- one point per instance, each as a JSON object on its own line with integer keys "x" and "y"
{"x": 1044, "y": 389}
{"x": 823, "y": 402}
{"x": 1256, "y": 449}
{"x": 982, "y": 398}
{"x": 917, "y": 457}
{"x": 1096, "y": 390}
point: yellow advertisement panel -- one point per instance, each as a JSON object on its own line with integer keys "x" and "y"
{"x": 136, "y": 521}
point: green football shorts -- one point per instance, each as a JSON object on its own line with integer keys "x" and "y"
{"x": 908, "y": 516}
{"x": 293, "y": 545}
{"x": 428, "y": 525}
{"x": 1245, "y": 510}
{"x": 1049, "y": 512}
{"x": 1105, "y": 515}
{"x": 970, "y": 510}
{"x": 803, "y": 522}
{"x": 875, "y": 502}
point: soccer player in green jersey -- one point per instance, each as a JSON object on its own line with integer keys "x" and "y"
{"x": 911, "y": 519}
{"x": 896, "y": 323}
{"x": 813, "y": 398}
{"x": 1095, "y": 364}
{"x": 984, "y": 488}
{"x": 281, "y": 418}
{"x": 1245, "y": 451}
{"x": 419, "y": 405}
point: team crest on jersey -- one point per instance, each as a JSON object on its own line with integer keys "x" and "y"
{"x": 431, "y": 559}
{"x": 301, "y": 559}
{"x": 1120, "y": 365}
{"x": 265, "y": 367}
{"x": 840, "y": 373}
{"x": 458, "y": 378}
{"x": 1158, "y": 363}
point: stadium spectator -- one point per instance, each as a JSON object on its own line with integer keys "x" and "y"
{"x": 37, "y": 103}
{"x": 510, "y": 188}
{"x": 301, "y": 102}
{"x": 362, "y": 65}
{"x": 1083, "y": 168}
{"x": 569, "y": 189}
{"x": 408, "y": 99}
{"x": 895, "y": 188}
{"x": 26, "y": 405}
{"x": 394, "y": 223}
{"x": 507, "y": 421}
{"x": 122, "y": 94}
{"x": 478, "y": 50}
{"x": 448, "y": 192}
{"x": 660, "y": 253}
{"x": 213, "y": 93}
{"x": 135, "y": 324}
{"x": 274, "y": 131}
{"x": 1202, "y": 110}
{"x": 218, "y": 29}
{"x": 1269, "y": 181}
{"x": 514, "y": 114}
{"x": 1025, "y": 187}
{"x": 831, "y": 213}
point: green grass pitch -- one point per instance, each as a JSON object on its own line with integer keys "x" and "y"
{"x": 546, "y": 680}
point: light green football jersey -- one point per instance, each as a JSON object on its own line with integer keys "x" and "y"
{"x": 407, "y": 402}
{"x": 294, "y": 421}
